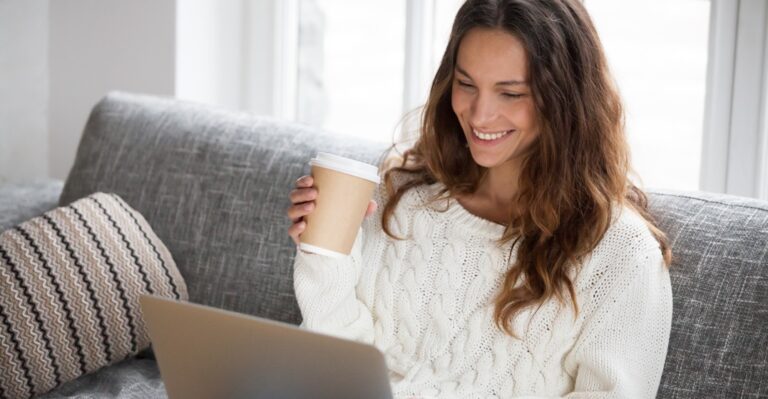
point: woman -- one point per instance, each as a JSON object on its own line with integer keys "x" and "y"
{"x": 512, "y": 256}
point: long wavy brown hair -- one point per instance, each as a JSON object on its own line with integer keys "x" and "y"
{"x": 576, "y": 171}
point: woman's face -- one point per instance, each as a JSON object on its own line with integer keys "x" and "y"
{"x": 491, "y": 97}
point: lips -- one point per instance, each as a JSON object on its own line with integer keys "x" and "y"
{"x": 490, "y": 135}
{"x": 489, "y": 138}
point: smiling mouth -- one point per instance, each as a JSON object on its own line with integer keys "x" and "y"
{"x": 491, "y": 136}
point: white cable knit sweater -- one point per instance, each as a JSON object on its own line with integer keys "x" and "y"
{"x": 427, "y": 304}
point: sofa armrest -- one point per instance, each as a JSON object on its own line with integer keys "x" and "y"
{"x": 23, "y": 201}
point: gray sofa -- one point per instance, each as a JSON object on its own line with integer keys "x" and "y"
{"x": 213, "y": 185}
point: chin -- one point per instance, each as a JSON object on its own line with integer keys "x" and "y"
{"x": 493, "y": 160}
{"x": 486, "y": 161}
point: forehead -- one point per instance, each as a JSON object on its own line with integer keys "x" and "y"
{"x": 492, "y": 54}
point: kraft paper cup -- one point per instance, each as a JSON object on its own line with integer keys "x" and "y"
{"x": 344, "y": 189}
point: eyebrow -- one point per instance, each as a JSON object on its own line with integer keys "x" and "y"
{"x": 502, "y": 83}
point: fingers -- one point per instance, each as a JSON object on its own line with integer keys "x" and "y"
{"x": 302, "y": 204}
{"x": 305, "y": 181}
{"x": 300, "y": 195}
{"x": 296, "y": 229}
{"x": 297, "y": 212}
{"x": 302, "y": 199}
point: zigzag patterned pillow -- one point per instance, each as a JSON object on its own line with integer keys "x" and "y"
{"x": 70, "y": 282}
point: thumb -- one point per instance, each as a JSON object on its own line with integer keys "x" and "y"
{"x": 372, "y": 206}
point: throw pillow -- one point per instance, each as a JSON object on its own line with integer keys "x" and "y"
{"x": 70, "y": 282}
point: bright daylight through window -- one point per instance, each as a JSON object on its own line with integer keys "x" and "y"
{"x": 352, "y": 72}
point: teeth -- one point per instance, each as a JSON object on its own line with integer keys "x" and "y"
{"x": 489, "y": 136}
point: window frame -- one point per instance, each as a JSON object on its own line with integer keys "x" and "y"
{"x": 735, "y": 138}
{"x": 271, "y": 51}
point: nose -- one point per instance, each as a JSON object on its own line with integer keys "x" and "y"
{"x": 484, "y": 111}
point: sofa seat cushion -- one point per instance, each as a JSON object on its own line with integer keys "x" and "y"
{"x": 136, "y": 377}
{"x": 23, "y": 201}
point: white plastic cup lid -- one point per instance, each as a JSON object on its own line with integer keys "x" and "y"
{"x": 346, "y": 165}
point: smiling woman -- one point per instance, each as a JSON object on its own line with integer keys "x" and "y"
{"x": 511, "y": 256}
{"x": 494, "y": 108}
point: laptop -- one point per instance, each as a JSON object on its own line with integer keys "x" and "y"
{"x": 205, "y": 352}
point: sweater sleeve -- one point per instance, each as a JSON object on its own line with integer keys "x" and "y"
{"x": 325, "y": 290}
{"x": 622, "y": 348}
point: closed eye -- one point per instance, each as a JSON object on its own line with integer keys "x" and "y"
{"x": 512, "y": 95}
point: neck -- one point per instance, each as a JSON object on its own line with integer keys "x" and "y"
{"x": 494, "y": 196}
{"x": 499, "y": 185}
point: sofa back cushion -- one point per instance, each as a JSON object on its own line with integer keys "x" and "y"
{"x": 717, "y": 348}
{"x": 214, "y": 185}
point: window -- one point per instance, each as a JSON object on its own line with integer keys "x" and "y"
{"x": 364, "y": 64}
{"x": 351, "y": 58}
{"x": 657, "y": 51}
{"x": 362, "y": 84}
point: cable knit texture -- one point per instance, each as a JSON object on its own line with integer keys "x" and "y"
{"x": 427, "y": 303}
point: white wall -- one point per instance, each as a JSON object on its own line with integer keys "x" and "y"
{"x": 23, "y": 90}
{"x": 102, "y": 45}
{"x": 58, "y": 58}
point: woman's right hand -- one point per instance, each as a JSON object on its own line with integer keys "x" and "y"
{"x": 303, "y": 203}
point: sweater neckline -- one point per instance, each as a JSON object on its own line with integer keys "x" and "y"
{"x": 457, "y": 215}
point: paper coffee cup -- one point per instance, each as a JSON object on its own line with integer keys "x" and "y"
{"x": 344, "y": 189}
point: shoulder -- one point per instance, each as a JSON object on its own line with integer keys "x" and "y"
{"x": 629, "y": 233}
{"x": 627, "y": 250}
{"x": 413, "y": 195}
{"x": 406, "y": 206}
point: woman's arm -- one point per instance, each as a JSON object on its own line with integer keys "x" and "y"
{"x": 325, "y": 291}
{"x": 623, "y": 345}
{"x": 325, "y": 287}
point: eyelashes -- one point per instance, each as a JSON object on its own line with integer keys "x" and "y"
{"x": 467, "y": 85}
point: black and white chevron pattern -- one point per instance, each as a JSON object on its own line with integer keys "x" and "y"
{"x": 70, "y": 282}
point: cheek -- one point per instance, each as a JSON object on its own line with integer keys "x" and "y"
{"x": 525, "y": 115}
{"x": 458, "y": 102}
